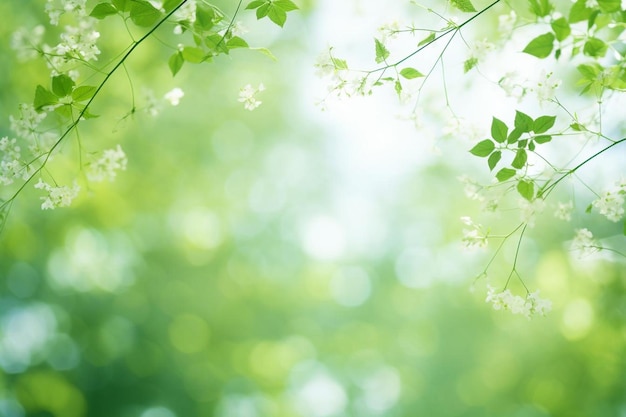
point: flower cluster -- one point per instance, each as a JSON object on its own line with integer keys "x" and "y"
{"x": 474, "y": 237}
{"x": 564, "y": 211}
{"x": 105, "y": 168}
{"x": 528, "y": 306}
{"x": 611, "y": 203}
{"x": 58, "y": 196}
{"x": 584, "y": 243}
{"x": 247, "y": 96}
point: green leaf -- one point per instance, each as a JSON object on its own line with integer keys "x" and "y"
{"x": 542, "y": 139}
{"x": 84, "y": 92}
{"x": 499, "y": 130}
{"x": 590, "y": 71}
{"x": 382, "y": 52}
{"x": 410, "y": 73}
{"x": 256, "y": 4}
{"x": 44, "y": 97}
{"x": 561, "y": 28}
{"x": 610, "y": 6}
{"x": 523, "y": 121}
{"x": 64, "y": 111}
{"x": 483, "y": 148}
{"x": 514, "y": 136}
{"x": 215, "y": 42}
{"x": 526, "y": 189}
{"x": 589, "y": 208}
{"x": 236, "y": 42}
{"x": 62, "y": 85}
{"x": 541, "y": 8}
{"x": 176, "y": 62}
{"x": 493, "y": 160}
{"x": 577, "y": 127}
{"x": 541, "y": 46}
{"x": 427, "y": 39}
{"x": 103, "y": 10}
{"x": 340, "y": 64}
{"x": 142, "y": 13}
{"x": 520, "y": 159}
{"x": 469, "y": 63}
{"x": 265, "y": 52}
{"x": 543, "y": 123}
{"x": 531, "y": 146}
{"x": 122, "y": 5}
{"x": 263, "y": 10}
{"x": 579, "y": 12}
{"x": 286, "y": 5}
{"x": 464, "y": 5}
{"x": 205, "y": 17}
{"x": 505, "y": 174}
{"x": 398, "y": 87}
{"x": 169, "y": 5}
{"x": 277, "y": 15}
{"x": 193, "y": 54}
{"x": 595, "y": 47}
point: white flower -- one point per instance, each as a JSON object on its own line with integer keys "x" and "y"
{"x": 505, "y": 300}
{"x": 511, "y": 85}
{"x": 174, "y": 96}
{"x": 389, "y": 30}
{"x": 238, "y": 29}
{"x": 60, "y": 196}
{"x": 481, "y": 49}
{"x": 105, "y": 168}
{"x": 530, "y": 209}
{"x": 25, "y": 42}
{"x": 584, "y": 243}
{"x": 247, "y": 96}
{"x": 506, "y": 23}
{"x": 474, "y": 237}
{"x": 564, "y": 211}
{"x": 545, "y": 86}
{"x": 26, "y": 126}
{"x": 611, "y": 203}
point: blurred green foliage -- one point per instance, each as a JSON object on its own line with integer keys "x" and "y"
{"x": 185, "y": 289}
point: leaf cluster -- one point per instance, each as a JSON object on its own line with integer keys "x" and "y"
{"x": 64, "y": 96}
{"x": 504, "y": 139}
{"x": 275, "y": 10}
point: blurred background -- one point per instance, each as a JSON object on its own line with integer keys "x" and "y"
{"x": 289, "y": 261}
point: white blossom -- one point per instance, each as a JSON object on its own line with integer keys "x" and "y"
{"x": 106, "y": 168}
{"x": 473, "y": 237}
{"x": 545, "y": 86}
{"x": 174, "y": 96}
{"x": 584, "y": 243}
{"x": 506, "y": 23}
{"x": 505, "y": 300}
{"x": 25, "y": 127}
{"x": 56, "y": 8}
{"x": 247, "y": 96}
{"x": 57, "y": 196}
{"x": 25, "y": 43}
{"x": 564, "y": 211}
{"x": 611, "y": 203}
{"x": 530, "y": 209}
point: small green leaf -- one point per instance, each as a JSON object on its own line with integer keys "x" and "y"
{"x": 520, "y": 159}
{"x": 514, "y": 136}
{"x": 590, "y": 71}
{"x": 64, "y": 111}
{"x": 427, "y": 39}
{"x": 541, "y": 46}
{"x": 205, "y": 17}
{"x": 169, "y": 5}
{"x": 215, "y": 42}
{"x": 382, "y": 52}
{"x": 398, "y": 87}
{"x": 262, "y": 10}
{"x": 505, "y": 174}
{"x": 523, "y": 121}
{"x": 44, "y": 97}
{"x": 561, "y": 28}
{"x": 483, "y": 148}
{"x": 410, "y": 73}
{"x": 176, "y": 62}
{"x": 595, "y": 47}
{"x": 277, "y": 15}
{"x": 531, "y": 146}
{"x": 469, "y": 63}
{"x": 103, "y": 10}
{"x": 499, "y": 130}
{"x": 589, "y": 208}
{"x": 62, "y": 85}
{"x": 522, "y": 143}
{"x": 84, "y": 92}
{"x": 526, "y": 189}
{"x": 286, "y": 5}
{"x": 493, "y": 160}
{"x": 610, "y": 6}
{"x": 193, "y": 54}
{"x": 579, "y": 12}
{"x": 464, "y": 5}
{"x": 142, "y": 13}
{"x": 265, "y": 52}
{"x": 541, "y": 8}
{"x": 122, "y": 5}
{"x": 255, "y": 4}
{"x": 542, "y": 139}
{"x": 340, "y": 64}
{"x": 543, "y": 123}
{"x": 577, "y": 127}
{"x": 236, "y": 42}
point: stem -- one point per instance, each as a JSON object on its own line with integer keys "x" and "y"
{"x": 75, "y": 123}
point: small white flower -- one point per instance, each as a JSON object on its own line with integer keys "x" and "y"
{"x": 247, "y": 96}
{"x": 105, "y": 168}
{"x": 474, "y": 237}
{"x": 564, "y": 211}
{"x": 545, "y": 86}
{"x": 174, "y": 96}
{"x": 506, "y": 23}
{"x": 505, "y": 300}
{"x": 611, "y": 204}
{"x": 530, "y": 209}
{"x": 584, "y": 243}
{"x": 60, "y": 196}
